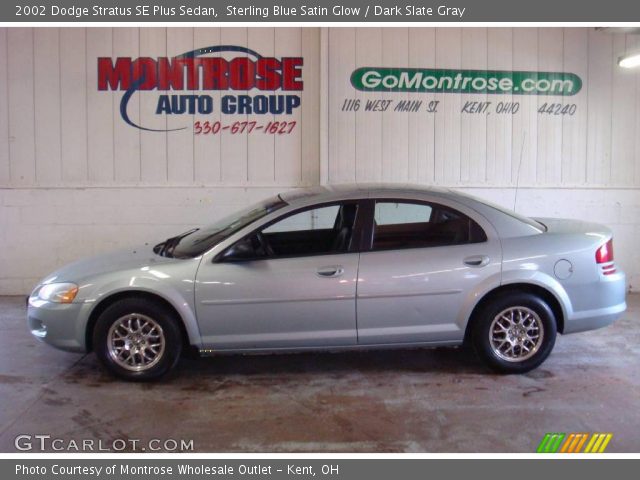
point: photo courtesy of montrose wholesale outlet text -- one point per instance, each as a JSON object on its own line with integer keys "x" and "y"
{"x": 306, "y": 240}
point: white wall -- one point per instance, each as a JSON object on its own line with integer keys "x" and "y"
{"x": 59, "y": 130}
{"x": 76, "y": 180}
{"x": 581, "y": 166}
{"x": 596, "y": 147}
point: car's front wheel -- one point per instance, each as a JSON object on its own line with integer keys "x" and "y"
{"x": 136, "y": 339}
{"x": 514, "y": 333}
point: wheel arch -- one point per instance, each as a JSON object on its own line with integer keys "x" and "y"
{"x": 135, "y": 294}
{"x": 522, "y": 287}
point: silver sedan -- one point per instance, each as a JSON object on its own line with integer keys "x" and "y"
{"x": 348, "y": 267}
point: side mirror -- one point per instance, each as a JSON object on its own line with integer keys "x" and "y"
{"x": 239, "y": 252}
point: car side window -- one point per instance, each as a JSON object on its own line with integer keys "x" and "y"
{"x": 399, "y": 224}
{"x": 315, "y": 231}
{"x": 388, "y": 213}
{"x": 316, "y": 219}
{"x": 312, "y": 231}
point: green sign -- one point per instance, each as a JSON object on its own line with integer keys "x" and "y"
{"x": 434, "y": 80}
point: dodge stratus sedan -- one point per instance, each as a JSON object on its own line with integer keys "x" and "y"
{"x": 348, "y": 267}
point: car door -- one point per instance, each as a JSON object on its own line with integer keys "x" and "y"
{"x": 424, "y": 259}
{"x": 290, "y": 284}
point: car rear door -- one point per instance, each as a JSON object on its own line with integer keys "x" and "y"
{"x": 424, "y": 259}
{"x": 299, "y": 294}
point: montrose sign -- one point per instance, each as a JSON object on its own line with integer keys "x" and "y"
{"x": 249, "y": 83}
{"x": 435, "y": 81}
{"x": 432, "y": 80}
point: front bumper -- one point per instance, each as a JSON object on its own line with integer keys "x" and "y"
{"x": 58, "y": 324}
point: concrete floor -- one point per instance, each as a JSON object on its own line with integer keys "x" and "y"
{"x": 393, "y": 401}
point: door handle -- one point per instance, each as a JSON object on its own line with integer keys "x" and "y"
{"x": 330, "y": 271}
{"x": 477, "y": 261}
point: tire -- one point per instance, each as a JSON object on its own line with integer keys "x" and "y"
{"x": 136, "y": 339}
{"x": 514, "y": 333}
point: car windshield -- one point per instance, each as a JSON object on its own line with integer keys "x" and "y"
{"x": 197, "y": 241}
{"x": 529, "y": 221}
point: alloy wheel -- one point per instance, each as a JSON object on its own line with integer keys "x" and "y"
{"x": 516, "y": 334}
{"x": 136, "y": 342}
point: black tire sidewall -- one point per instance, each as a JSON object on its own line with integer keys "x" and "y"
{"x": 482, "y": 324}
{"x": 172, "y": 334}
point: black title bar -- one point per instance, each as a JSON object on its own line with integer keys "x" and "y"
{"x": 208, "y": 11}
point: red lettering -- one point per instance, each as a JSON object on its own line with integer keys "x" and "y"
{"x": 171, "y": 72}
{"x": 242, "y": 74}
{"x": 193, "y": 78}
{"x": 145, "y": 70}
{"x": 206, "y": 73}
{"x": 268, "y": 74}
{"x": 115, "y": 77}
{"x": 292, "y": 74}
{"x": 214, "y": 74}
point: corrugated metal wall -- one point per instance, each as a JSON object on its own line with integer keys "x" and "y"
{"x": 57, "y": 129}
{"x": 597, "y": 146}
{"x": 76, "y": 179}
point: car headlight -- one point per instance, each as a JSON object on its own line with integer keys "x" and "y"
{"x": 58, "y": 292}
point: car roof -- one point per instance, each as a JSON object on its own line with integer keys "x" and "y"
{"x": 506, "y": 223}
{"x": 359, "y": 190}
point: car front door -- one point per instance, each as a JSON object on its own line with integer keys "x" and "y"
{"x": 291, "y": 284}
{"x": 423, "y": 261}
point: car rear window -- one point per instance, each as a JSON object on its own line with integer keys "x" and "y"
{"x": 529, "y": 221}
{"x": 399, "y": 225}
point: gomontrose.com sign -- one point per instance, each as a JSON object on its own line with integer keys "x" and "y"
{"x": 374, "y": 79}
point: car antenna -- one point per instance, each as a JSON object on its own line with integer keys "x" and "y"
{"x": 515, "y": 196}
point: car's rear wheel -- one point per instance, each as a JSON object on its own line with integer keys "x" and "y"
{"x": 136, "y": 339}
{"x": 514, "y": 332}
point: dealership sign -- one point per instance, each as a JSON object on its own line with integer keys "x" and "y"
{"x": 184, "y": 82}
{"x": 431, "y": 80}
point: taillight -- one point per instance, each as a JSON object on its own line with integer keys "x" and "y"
{"x": 604, "y": 254}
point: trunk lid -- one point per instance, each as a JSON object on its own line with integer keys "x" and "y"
{"x": 569, "y": 226}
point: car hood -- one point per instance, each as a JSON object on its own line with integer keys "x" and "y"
{"x": 125, "y": 259}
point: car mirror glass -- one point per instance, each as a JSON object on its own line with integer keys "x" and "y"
{"x": 240, "y": 251}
